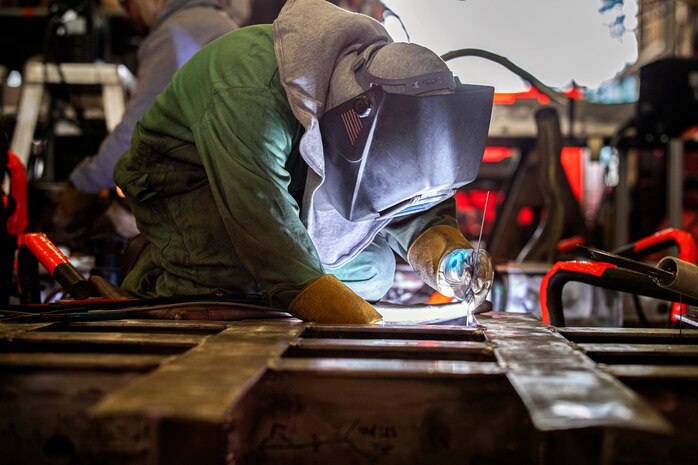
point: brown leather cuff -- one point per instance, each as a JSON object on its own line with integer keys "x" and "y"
{"x": 328, "y": 300}
{"x": 426, "y": 252}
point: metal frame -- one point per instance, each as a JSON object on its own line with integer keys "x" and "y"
{"x": 274, "y": 391}
{"x": 111, "y": 77}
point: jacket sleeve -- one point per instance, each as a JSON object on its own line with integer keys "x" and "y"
{"x": 244, "y": 138}
{"x": 403, "y": 231}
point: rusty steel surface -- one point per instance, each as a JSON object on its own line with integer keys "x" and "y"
{"x": 653, "y": 372}
{"x": 631, "y": 335}
{"x": 209, "y": 378}
{"x": 82, "y": 340}
{"x": 51, "y": 374}
{"x": 110, "y": 362}
{"x": 507, "y": 390}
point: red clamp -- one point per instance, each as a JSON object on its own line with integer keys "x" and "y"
{"x": 599, "y": 274}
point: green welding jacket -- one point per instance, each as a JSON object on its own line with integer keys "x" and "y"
{"x": 215, "y": 179}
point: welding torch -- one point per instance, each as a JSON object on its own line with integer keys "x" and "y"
{"x": 467, "y": 274}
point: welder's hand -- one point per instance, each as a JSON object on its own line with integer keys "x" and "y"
{"x": 467, "y": 275}
{"x": 328, "y": 300}
{"x": 443, "y": 248}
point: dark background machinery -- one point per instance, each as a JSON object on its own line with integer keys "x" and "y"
{"x": 68, "y": 129}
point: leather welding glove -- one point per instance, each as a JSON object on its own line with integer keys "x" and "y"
{"x": 328, "y": 300}
{"x": 446, "y": 261}
{"x": 76, "y": 213}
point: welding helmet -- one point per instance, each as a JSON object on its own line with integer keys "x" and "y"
{"x": 403, "y": 144}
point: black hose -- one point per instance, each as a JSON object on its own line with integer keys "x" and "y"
{"x": 554, "y": 95}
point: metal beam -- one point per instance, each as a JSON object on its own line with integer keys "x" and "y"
{"x": 203, "y": 384}
{"x": 561, "y": 388}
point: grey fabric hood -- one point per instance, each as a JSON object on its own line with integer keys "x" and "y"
{"x": 311, "y": 39}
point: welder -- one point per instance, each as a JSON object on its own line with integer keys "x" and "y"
{"x": 173, "y": 31}
{"x": 296, "y": 159}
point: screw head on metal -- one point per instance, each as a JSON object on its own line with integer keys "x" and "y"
{"x": 362, "y": 106}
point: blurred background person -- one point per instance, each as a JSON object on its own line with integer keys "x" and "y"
{"x": 173, "y": 31}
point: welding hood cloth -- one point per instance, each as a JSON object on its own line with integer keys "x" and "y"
{"x": 315, "y": 45}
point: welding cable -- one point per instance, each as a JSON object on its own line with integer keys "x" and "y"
{"x": 554, "y": 95}
{"x": 537, "y": 84}
{"x": 115, "y": 314}
{"x": 113, "y": 304}
{"x": 249, "y": 310}
{"x": 241, "y": 305}
{"x": 249, "y": 301}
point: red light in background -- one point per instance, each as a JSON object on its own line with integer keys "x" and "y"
{"x": 525, "y": 217}
{"x": 462, "y": 201}
{"x": 511, "y": 98}
{"x": 533, "y": 93}
{"x": 573, "y": 162}
{"x": 496, "y": 154}
{"x": 476, "y": 200}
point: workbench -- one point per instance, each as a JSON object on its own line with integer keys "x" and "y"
{"x": 507, "y": 389}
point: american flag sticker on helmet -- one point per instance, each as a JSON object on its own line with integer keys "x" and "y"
{"x": 352, "y": 124}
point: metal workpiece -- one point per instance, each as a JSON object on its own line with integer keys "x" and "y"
{"x": 661, "y": 366}
{"x": 51, "y": 375}
{"x": 560, "y": 387}
{"x": 651, "y": 354}
{"x": 392, "y": 349}
{"x": 208, "y": 378}
{"x": 645, "y": 353}
{"x": 387, "y": 368}
{"x": 344, "y": 395}
{"x": 671, "y": 373}
{"x": 7, "y": 330}
{"x": 80, "y": 361}
{"x": 402, "y": 416}
{"x": 404, "y": 332}
{"x": 629, "y": 335}
{"x": 508, "y": 389}
{"x": 69, "y": 341}
{"x": 458, "y": 312}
